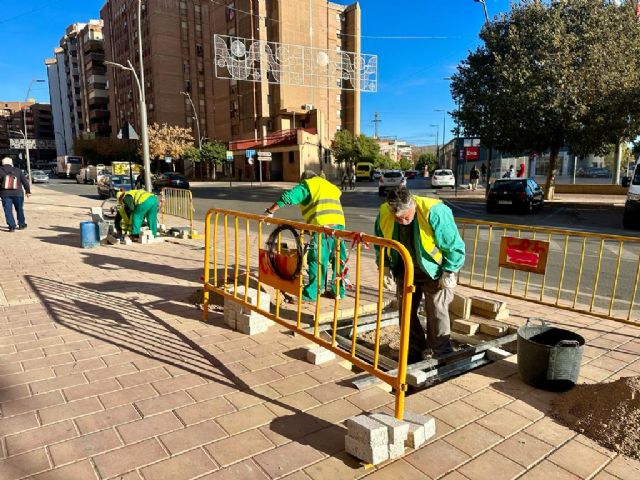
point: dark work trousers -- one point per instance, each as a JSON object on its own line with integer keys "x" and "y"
{"x": 11, "y": 203}
{"x": 437, "y": 336}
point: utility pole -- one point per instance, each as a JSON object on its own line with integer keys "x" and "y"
{"x": 144, "y": 134}
{"x": 24, "y": 117}
{"x": 437, "y": 141}
{"x": 376, "y": 120}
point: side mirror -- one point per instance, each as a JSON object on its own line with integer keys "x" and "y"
{"x": 625, "y": 181}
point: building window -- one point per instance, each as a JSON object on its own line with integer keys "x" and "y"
{"x": 338, "y": 98}
{"x": 199, "y": 50}
{"x": 187, "y": 86}
{"x": 338, "y": 113}
{"x": 291, "y": 157}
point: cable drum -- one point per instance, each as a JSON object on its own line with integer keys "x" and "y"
{"x": 272, "y": 248}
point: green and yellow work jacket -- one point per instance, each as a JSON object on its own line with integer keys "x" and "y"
{"x": 319, "y": 201}
{"x": 438, "y": 245}
{"x": 125, "y": 220}
{"x": 133, "y": 198}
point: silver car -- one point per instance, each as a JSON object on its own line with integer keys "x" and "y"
{"x": 38, "y": 176}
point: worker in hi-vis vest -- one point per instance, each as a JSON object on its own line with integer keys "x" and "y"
{"x": 425, "y": 226}
{"x": 140, "y": 205}
{"x": 122, "y": 221}
{"x": 319, "y": 202}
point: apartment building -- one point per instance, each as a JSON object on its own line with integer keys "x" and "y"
{"x": 395, "y": 149}
{"x": 39, "y": 126}
{"x": 295, "y": 123}
{"x": 78, "y": 86}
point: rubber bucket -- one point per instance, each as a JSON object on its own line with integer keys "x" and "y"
{"x": 549, "y": 357}
{"x": 89, "y": 235}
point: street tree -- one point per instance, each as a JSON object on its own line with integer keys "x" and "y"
{"x": 168, "y": 140}
{"x": 343, "y": 146}
{"x": 213, "y": 154}
{"x": 405, "y": 164}
{"x": 553, "y": 74}
{"x": 428, "y": 160}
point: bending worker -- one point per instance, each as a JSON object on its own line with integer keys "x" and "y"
{"x": 122, "y": 221}
{"x": 319, "y": 202}
{"x": 425, "y": 226}
{"x": 140, "y": 205}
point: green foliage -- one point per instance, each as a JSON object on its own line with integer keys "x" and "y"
{"x": 343, "y": 146}
{"x": 105, "y": 150}
{"x": 366, "y": 149}
{"x": 191, "y": 153}
{"x": 405, "y": 164}
{"x": 552, "y": 74}
{"x": 347, "y": 148}
{"x": 428, "y": 160}
{"x": 382, "y": 162}
{"x": 214, "y": 153}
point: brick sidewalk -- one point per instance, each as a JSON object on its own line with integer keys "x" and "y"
{"x": 106, "y": 372}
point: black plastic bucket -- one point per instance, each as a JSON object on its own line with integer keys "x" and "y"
{"x": 549, "y": 357}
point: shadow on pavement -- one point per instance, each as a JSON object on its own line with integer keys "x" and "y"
{"x": 136, "y": 327}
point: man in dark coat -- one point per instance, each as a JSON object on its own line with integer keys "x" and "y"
{"x": 13, "y": 186}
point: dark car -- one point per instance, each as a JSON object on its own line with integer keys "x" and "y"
{"x": 523, "y": 195}
{"x": 597, "y": 172}
{"x": 109, "y": 185}
{"x": 171, "y": 180}
{"x": 410, "y": 173}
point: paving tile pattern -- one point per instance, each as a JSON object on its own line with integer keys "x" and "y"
{"x": 106, "y": 371}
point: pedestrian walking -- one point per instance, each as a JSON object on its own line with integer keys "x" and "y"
{"x": 426, "y": 227}
{"x": 520, "y": 172}
{"x": 511, "y": 173}
{"x": 320, "y": 205}
{"x": 140, "y": 205}
{"x": 14, "y": 185}
{"x": 483, "y": 172}
{"x": 474, "y": 175}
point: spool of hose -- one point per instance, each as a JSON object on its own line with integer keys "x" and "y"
{"x": 272, "y": 248}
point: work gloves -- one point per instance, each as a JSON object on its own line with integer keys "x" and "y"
{"x": 447, "y": 280}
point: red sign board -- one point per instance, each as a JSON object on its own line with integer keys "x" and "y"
{"x": 523, "y": 254}
{"x": 472, "y": 153}
{"x": 286, "y": 263}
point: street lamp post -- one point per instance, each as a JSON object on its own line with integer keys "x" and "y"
{"x": 195, "y": 117}
{"x": 484, "y": 5}
{"x": 25, "y": 133}
{"x": 143, "y": 122}
{"x": 437, "y": 141}
{"x": 444, "y": 127}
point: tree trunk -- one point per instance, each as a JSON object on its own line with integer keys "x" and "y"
{"x": 207, "y": 170}
{"x": 488, "y": 180}
{"x": 617, "y": 159}
{"x": 214, "y": 171}
{"x": 550, "y": 184}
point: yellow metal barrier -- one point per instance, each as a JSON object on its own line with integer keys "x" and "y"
{"x": 591, "y": 273}
{"x": 178, "y": 202}
{"x": 219, "y": 244}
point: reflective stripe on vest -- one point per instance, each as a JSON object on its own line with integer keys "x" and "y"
{"x": 427, "y": 240}
{"x": 139, "y": 196}
{"x": 325, "y": 207}
{"x": 125, "y": 220}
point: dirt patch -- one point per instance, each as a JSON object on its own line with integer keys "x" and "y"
{"x": 608, "y": 413}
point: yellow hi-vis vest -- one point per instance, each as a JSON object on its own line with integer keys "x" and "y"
{"x": 427, "y": 243}
{"x": 139, "y": 196}
{"x": 324, "y": 208}
{"x": 125, "y": 220}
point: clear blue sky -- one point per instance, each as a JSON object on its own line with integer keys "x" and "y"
{"x": 411, "y": 72}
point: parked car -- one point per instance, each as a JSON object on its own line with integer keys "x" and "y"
{"x": 596, "y": 172}
{"x": 377, "y": 174}
{"x": 38, "y": 176}
{"x": 109, "y": 185}
{"x": 390, "y": 179}
{"x": 522, "y": 194}
{"x": 410, "y": 173}
{"x": 172, "y": 180}
{"x": 443, "y": 178}
{"x": 631, "y": 215}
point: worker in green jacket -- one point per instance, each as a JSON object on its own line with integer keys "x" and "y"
{"x": 320, "y": 204}
{"x": 140, "y": 205}
{"x": 426, "y": 227}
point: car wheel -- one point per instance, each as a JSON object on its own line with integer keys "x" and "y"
{"x": 540, "y": 205}
{"x": 490, "y": 208}
{"x": 527, "y": 208}
{"x": 381, "y": 192}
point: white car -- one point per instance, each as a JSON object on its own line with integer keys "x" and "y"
{"x": 443, "y": 178}
{"x": 390, "y": 179}
{"x": 39, "y": 176}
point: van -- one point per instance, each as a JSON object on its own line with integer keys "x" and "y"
{"x": 364, "y": 171}
{"x": 632, "y": 205}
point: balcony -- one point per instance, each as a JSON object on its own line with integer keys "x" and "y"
{"x": 93, "y": 46}
{"x": 282, "y": 137}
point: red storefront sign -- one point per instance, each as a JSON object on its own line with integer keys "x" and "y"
{"x": 472, "y": 153}
{"x": 524, "y": 254}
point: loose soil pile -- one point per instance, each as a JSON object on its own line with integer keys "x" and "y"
{"x": 608, "y": 413}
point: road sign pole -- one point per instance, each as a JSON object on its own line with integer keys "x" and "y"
{"x": 260, "y": 167}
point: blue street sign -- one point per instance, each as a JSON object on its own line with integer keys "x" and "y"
{"x": 249, "y": 153}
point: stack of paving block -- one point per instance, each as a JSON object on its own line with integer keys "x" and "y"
{"x": 244, "y": 319}
{"x": 491, "y": 309}
{"x": 146, "y": 236}
{"x": 379, "y": 437}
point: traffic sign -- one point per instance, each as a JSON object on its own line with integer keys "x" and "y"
{"x": 264, "y": 156}
{"x": 127, "y": 132}
{"x": 249, "y": 153}
{"x": 229, "y": 156}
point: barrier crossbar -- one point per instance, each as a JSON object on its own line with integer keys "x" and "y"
{"x": 591, "y": 273}
{"x": 231, "y": 254}
{"x": 178, "y": 202}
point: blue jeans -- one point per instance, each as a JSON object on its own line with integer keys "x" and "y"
{"x": 9, "y": 203}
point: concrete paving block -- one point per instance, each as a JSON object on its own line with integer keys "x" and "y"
{"x": 319, "y": 355}
{"x": 493, "y": 329}
{"x": 111, "y": 240}
{"x": 425, "y": 422}
{"x": 128, "y": 241}
{"x": 465, "y": 326}
{"x": 502, "y": 314}
{"x": 460, "y": 306}
{"x": 396, "y": 450}
{"x": 397, "y": 430}
{"x": 416, "y": 436}
{"x": 484, "y": 304}
{"x": 367, "y": 430}
{"x": 252, "y": 297}
{"x": 366, "y": 453}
